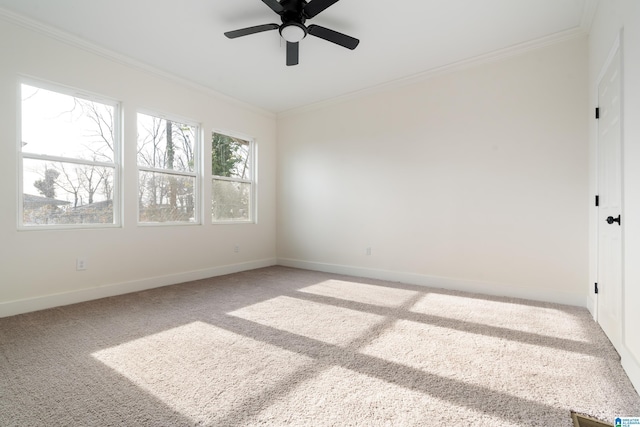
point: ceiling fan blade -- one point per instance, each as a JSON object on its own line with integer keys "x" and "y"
{"x": 293, "y": 50}
{"x": 314, "y": 7}
{"x": 251, "y": 30}
{"x": 274, "y": 5}
{"x": 333, "y": 36}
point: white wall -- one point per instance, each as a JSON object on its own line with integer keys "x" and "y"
{"x": 37, "y": 268}
{"x": 476, "y": 180}
{"x": 612, "y": 17}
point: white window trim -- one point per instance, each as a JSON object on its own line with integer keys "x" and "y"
{"x": 117, "y": 154}
{"x": 197, "y": 170}
{"x": 253, "y": 164}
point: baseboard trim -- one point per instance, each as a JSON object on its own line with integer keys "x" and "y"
{"x": 631, "y": 366}
{"x": 591, "y": 306}
{"x": 487, "y": 288}
{"x": 12, "y": 308}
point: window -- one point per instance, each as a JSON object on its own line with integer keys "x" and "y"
{"x": 167, "y": 171}
{"x": 233, "y": 183}
{"x": 69, "y": 159}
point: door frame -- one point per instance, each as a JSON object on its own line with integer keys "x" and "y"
{"x": 617, "y": 47}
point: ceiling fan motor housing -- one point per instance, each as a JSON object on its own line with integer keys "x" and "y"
{"x": 293, "y": 11}
{"x": 293, "y": 20}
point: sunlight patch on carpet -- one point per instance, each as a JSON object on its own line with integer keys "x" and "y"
{"x": 360, "y": 292}
{"x": 199, "y": 370}
{"x": 540, "y": 320}
{"x": 463, "y": 357}
{"x": 338, "y": 394}
{"x": 310, "y": 319}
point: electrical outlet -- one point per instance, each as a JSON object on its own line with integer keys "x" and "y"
{"x": 368, "y": 251}
{"x": 236, "y": 249}
{"x": 81, "y": 264}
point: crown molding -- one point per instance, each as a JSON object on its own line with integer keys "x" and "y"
{"x": 495, "y": 56}
{"x": 78, "y": 42}
{"x": 588, "y": 13}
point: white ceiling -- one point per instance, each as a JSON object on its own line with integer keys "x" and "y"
{"x": 398, "y": 39}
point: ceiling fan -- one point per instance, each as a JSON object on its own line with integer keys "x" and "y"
{"x": 294, "y": 13}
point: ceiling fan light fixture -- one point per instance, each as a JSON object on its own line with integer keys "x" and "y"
{"x": 293, "y": 32}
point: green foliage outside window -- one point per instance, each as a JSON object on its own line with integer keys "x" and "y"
{"x": 232, "y": 178}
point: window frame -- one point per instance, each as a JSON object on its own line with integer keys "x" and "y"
{"x": 25, "y": 155}
{"x": 196, "y": 174}
{"x": 253, "y": 182}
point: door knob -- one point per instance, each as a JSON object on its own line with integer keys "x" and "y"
{"x": 611, "y": 220}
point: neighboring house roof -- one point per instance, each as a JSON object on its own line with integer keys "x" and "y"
{"x": 95, "y": 206}
{"x": 32, "y": 201}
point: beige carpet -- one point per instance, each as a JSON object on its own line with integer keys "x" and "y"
{"x": 281, "y": 346}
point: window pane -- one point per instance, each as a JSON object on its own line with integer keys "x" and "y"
{"x": 230, "y": 200}
{"x": 164, "y": 144}
{"x": 55, "y": 124}
{"x": 66, "y": 193}
{"x": 230, "y": 157}
{"x": 166, "y": 197}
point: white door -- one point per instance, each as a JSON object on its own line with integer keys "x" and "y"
{"x": 610, "y": 224}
